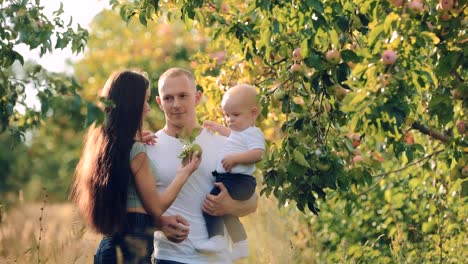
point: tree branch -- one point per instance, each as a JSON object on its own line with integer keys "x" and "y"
{"x": 430, "y": 132}
{"x": 401, "y": 169}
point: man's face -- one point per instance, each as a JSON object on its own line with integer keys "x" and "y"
{"x": 178, "y": 99}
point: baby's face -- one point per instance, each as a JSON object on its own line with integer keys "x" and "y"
{"x": 238, "y": 115}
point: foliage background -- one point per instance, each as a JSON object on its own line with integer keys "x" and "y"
{"x": 402, "y": 201}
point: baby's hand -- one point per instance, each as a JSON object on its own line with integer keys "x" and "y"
{"x": 211, "y": 126}
{"x": 147, "y": 137}
{"x": 229, "y": 162}
{"x": 216, "y": 127}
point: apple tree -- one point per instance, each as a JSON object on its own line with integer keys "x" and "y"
{"x": 351, "y": 83}
{"x": 24, "y": 24}
{"x": 363, "y": 103}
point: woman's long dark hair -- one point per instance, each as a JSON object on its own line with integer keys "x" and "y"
{"x": 103, "y": 173}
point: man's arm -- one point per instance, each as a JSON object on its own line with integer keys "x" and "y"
{"x": 223, "y": 204}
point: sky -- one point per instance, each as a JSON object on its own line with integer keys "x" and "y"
{"x": 82, "y": 12}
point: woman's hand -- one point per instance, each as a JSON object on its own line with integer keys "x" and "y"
{"x": 185, "y": 170}
{"x": 175, "y": 228}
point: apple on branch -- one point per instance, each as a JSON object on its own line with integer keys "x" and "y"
{"x": 396, "y": 3}
{"x": 295, "y": 68}
{"x": 333, "y": 56}
{"x": 297, "y": 56}
{"x": 389, "y": 57}
{"x": 416, "y": 7}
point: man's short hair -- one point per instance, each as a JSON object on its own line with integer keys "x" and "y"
{"x": 175, "y": 72}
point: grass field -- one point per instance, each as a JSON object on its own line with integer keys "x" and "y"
{"x": 64, "y": 239}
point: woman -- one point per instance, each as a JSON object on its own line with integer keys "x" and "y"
{"x": 115, "y": 185}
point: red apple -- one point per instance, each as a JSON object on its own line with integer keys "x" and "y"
{"x": 416, "y": 7}
{"x": 464, "y": 171}
{"x": 224, "y": 8}
{"x": 389, "y": 57}
{"x": 357, "y": 158}
{"x": 297, "y": 54}
{"x": 295, "y": 68}
{"x": 333, "y": 56}
{"x": 396, "y": 3}
{"x": 461, "y": 127}
{"x": 409, "y": 138}
{"x": 446, "y": 4}
{"x": 356, "y": 139}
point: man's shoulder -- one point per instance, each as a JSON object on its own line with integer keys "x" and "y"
{"x": 208, "y": 137}
{"x": 163, "y": 143}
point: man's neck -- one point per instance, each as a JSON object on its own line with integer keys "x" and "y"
{"x": 174, "y": 130}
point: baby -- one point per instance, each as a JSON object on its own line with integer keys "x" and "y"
{"x": 244, "y": 147}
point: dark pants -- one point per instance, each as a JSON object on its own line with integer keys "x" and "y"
{"x": 163, "y": 261}
{"x": 240, "y": 187}
{"x": 135, "y": 242}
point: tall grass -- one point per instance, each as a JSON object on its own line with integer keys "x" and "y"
{"x": 64, "y": 239}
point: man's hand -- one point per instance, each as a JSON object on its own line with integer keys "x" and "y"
{"x": 220, "y": 204}
{"x": 229, "y": 161}
{"x": 175, "y": 228}
{"x": 223, "y": 204}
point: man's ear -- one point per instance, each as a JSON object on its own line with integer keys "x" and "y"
{"x": 198, "y": 96}
{"x": 158, "y": 100}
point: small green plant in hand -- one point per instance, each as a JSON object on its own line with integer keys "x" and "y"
{"x": 189, "y": 147}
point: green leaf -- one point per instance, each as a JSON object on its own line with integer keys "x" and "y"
{"x": 430, "y": 35}
{"x": 142, "y": 18}
{"x": 300, "y": 159}
{"x": 375, "y": 33}
{"x": 447, "y": 62}
{"x": 317, "y": 5}
{"x": 349, "y": 55}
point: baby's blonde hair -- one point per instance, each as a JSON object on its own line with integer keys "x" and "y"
{"x": 244, "y": 92}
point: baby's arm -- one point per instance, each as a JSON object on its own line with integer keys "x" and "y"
{"x": 248, "y": 157}
{"x": 215, "y": 127}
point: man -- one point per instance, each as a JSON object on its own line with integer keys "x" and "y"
{"x": 178, "y": 98}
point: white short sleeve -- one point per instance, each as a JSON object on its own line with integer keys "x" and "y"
{"x": 254, "y": 138}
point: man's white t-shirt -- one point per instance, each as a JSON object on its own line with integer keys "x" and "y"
{"x": 238, "y": 142}
{"x": 190, "y": 199}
